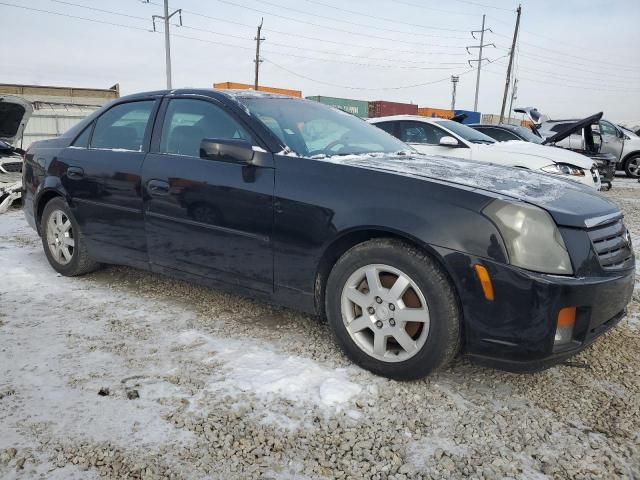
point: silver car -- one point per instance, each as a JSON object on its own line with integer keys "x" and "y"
{"x": 622, "y": 144}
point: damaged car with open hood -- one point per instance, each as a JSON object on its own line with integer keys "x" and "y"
{"x": 411, "y": 258}
{"x": 594, "y": 136}
{"x": 14, "y": 115}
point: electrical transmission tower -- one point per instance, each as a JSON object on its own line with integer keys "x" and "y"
{"x": 480, "y": 58}
{"x": 258, "y": 61}
{"x": 167, "y": 38}
{"x": 454, "y": 81}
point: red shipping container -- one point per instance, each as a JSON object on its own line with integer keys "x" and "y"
{"x": 382, "y": 108}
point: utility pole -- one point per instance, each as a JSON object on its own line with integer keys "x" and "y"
{"x": 258, "y": 39}
{"x": 511, "y": 54}
{"x": 167, "y": 38}
{"x": 514, "y": 95}
{"x": 454, "y": 81}
{"x": 480, "y": 59}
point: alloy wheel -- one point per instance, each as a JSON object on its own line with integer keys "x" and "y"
{"x": 60, "y": 237}
{"x": 385, "y": 313}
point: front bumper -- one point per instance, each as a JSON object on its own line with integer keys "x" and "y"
{"x": 516, "y": 330}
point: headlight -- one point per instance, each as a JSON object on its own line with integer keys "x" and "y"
{"x": 564, "y": 169}
{"x": 531, "y": 236}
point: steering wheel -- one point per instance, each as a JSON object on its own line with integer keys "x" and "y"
{"x": 341, "y": 141}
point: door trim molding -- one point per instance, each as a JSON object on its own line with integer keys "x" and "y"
{"x": 107, "y": 205}
{"x": 218, "y": 228}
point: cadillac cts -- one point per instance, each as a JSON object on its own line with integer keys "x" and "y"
{"x": 411, "y": 258}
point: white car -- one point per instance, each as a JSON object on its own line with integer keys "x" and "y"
{"x": 14, "y": 115}
{"x": 437, "y": 136}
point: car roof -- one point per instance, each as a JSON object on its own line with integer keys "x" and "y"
{"x": 418, "y": 118}
{"x": 208, "y": 92}
{"x": 504, "y": 126}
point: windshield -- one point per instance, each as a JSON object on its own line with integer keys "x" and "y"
{"x": 468, "y": 133}
{"x": 312, "y": 129}
{"x": 528, "y": 135}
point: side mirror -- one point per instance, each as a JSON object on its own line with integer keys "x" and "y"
{"x": 226, "y": 150}
{"x": 448, "y": 141}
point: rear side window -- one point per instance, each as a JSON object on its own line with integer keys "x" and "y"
{"x": 122, "y": 127}
{"x": 389, "y": 127}
{"x": 499, "y": 135}
{"x": 419, "y": 132}
{"x": 187, "y": 122}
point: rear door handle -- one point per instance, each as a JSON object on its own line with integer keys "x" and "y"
{"x": 75, "y": 173}
{"x": 158, "y": 187}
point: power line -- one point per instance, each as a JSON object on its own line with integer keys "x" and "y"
{"x": 563, "y": 64}
{"x": 565, "y": 54}
{"x": 362, "y": 34}
{"x": 348, "y": 22}
{"x": 581, "y": 87}
{"x": 50, "y": 12}
{"x": 363, "y": 64}
{"x": 322, "y": 52}
{"x": 350, "y": 87}
{"x": 432, "y": 9}
{"x": 324, "y": 40}
{"x": 355, "y": 12}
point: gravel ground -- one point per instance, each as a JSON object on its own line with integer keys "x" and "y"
{"x": 123, "y": 373}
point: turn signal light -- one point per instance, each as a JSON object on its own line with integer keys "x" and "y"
{"x": 485, "y": 281}
{"x": 565, "y": 323}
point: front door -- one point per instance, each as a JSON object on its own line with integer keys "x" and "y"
{"x": 101, "y": 174}
{"x": 612, "y": 139}
{"x": 207, "y": 217}
{"x": 425, "y": 138}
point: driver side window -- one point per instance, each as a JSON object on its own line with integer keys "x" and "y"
{"x": 419, "y": 132}
{"x": 187, "y": 122}
{"x": 607, "y": 128}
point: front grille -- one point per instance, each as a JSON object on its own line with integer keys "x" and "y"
{"x": 11, "y": 167}
{"x": 612, "y": 244}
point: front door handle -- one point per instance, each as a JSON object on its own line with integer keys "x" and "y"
{"x": 75, "y": 173}
{"x": 158, "y": 188}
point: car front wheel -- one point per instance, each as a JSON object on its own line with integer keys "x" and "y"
{"x": 393, "y": 310}
{"x": 632, "y": 166}
{"x": 63, "y": 242}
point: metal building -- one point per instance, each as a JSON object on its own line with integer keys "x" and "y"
{"x": 56, "y": 109}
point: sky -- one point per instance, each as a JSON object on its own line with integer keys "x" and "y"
{"x": 574, "y": 57}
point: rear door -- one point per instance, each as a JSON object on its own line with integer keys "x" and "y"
{"x": 612, "y": 139}
{"x": 207, "y": 217}
{"x": 101, "y": 173}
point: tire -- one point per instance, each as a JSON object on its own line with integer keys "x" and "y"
{"x": 63, "y": 242}
{"x": 632, "y": 166}
{"x": 426, "y": 296}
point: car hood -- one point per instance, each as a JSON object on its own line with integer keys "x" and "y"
{"x": 573, "y": 128}
{"x": 547, "y": 154}
{"x": 570, "y": 203}
{"x": 14, "y": 115}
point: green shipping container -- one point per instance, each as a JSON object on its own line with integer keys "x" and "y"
{"x": 355, "y": 107}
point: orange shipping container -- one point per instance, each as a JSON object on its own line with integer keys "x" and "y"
{"x": 436, "y": 112}
{"x": 526, "y": 124}
{"x": 245, "y": 86}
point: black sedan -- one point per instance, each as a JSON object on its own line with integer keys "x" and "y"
{"x": 505, "y": 133}
{"x": 411, "y": 258}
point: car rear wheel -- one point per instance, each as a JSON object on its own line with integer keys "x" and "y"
{"x": 632, "y": 166}
{"x": 63, "y": 242}
{"x": 393, "y": 310}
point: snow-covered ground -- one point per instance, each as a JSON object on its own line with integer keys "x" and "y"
{"x": 125, "y": 373}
